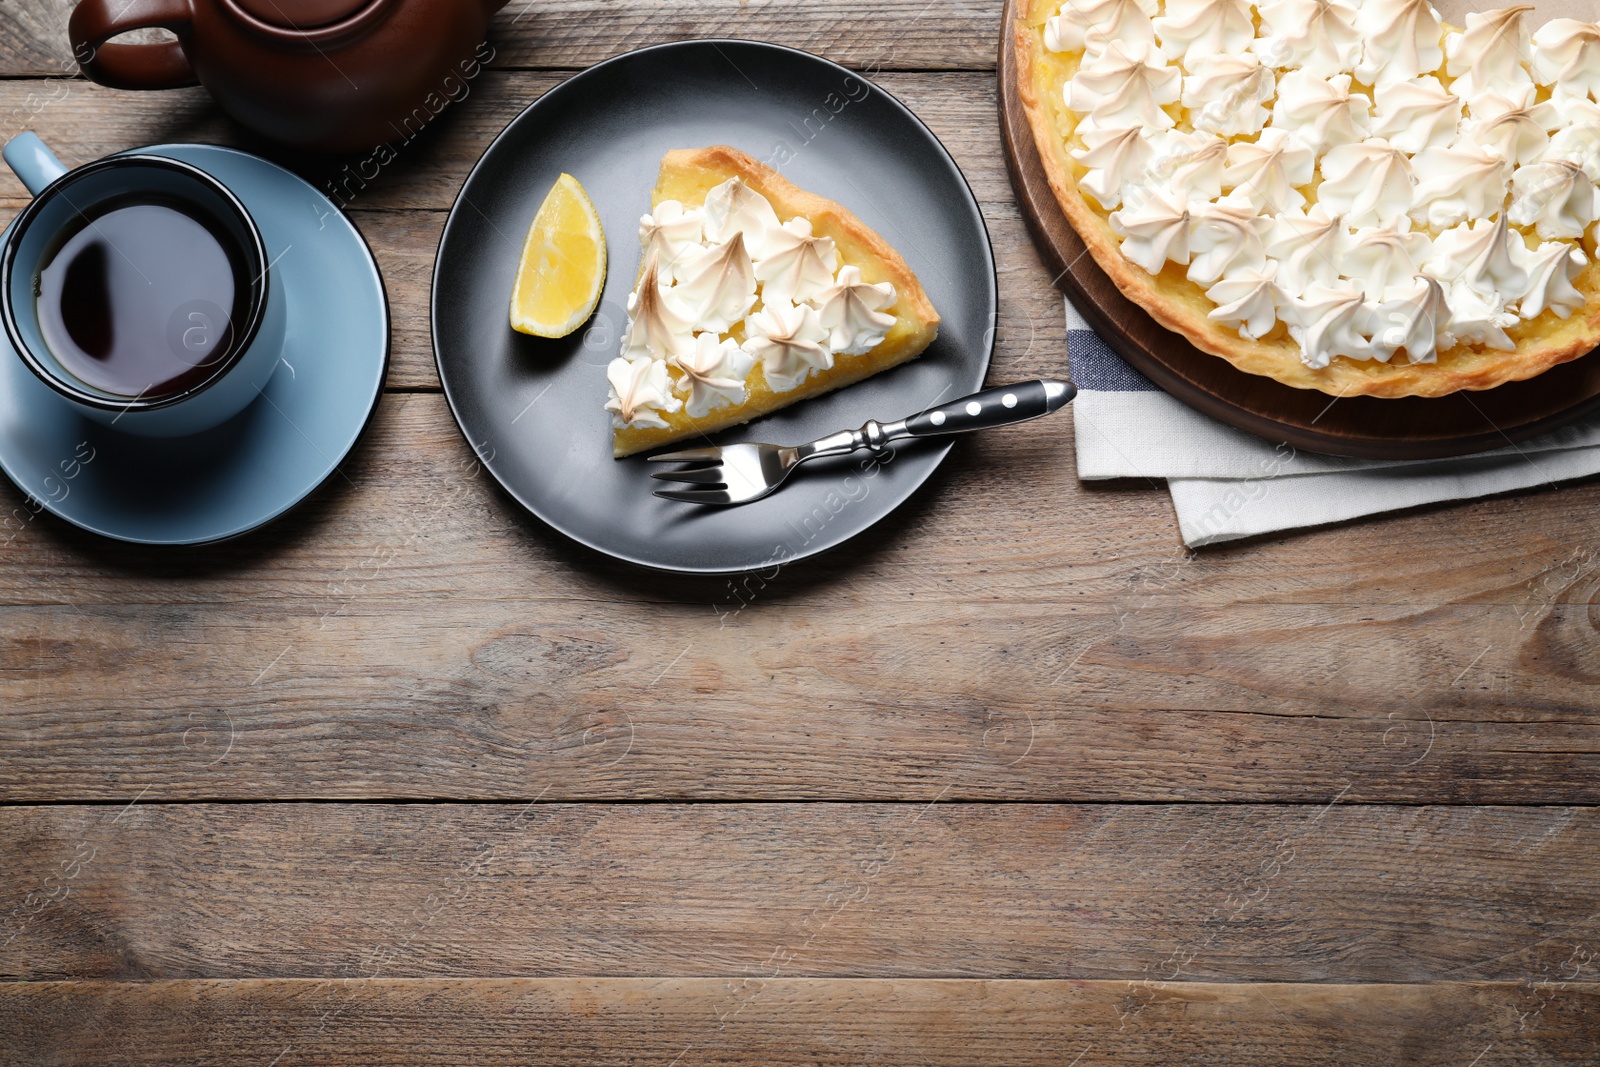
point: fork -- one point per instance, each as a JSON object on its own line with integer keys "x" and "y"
{"x": 738, "y": 474}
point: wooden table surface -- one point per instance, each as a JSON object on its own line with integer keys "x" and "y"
{"x": 1014, "y": 779}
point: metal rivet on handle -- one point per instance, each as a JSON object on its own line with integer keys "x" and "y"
{"x": 937, "y": 418}
{"x": 1009, "y": 400}
{"x": 974, "y": 407}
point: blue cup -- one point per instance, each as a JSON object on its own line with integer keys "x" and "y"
{"x": 62, "y": 197}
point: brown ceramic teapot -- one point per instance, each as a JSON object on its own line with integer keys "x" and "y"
{"x": 327, "y": 75}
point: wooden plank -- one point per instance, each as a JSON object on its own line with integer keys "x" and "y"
{"x": 1191, "y": 892}
{"x": 883, "y": 34}
{"x": 652, "y": 1022}
{"x": 1009, "y": 634}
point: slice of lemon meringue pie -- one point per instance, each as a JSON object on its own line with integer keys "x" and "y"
{"x": 1343, "y": 195}
{"x": 752, "y": 294}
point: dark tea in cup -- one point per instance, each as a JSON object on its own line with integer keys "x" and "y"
{"x": 140, "y": 295}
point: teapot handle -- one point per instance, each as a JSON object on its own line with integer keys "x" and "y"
{"x": 160, "y": 65}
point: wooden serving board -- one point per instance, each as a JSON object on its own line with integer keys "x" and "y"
{"x": 1368, "y": 427}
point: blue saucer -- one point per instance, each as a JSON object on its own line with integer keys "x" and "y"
{"x": 257, "y": 466}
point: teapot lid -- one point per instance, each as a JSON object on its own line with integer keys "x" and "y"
{"x": 302, "y": 14}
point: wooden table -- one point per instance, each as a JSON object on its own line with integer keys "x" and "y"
{"x": 408, "y": 779}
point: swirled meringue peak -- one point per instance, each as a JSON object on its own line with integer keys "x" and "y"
{"x": 1368, "y": 182}
{"x": 1126, "y": 85}
{"x": 1555, "y": 197}
{"x": 1381, "y": 257}
{"x": 1566, "y": 56}
{"x": 1479, "y": 255}
{"x": 640, "y": 392}
{"x": 1309, "y": 247}
{"x": 717, "y": 285}
{"x": 1193, "y": 162}
{"x": 1491, "y": 53}
{"x": 1113, "y": 157}
{"x": 655, "y": 328}
{"x": 1154, "y": 226}
{"x": 1268, "y": 171}
{"x": 734, "y": 207}
{"x": 1116, "y": 20}
{"x": 852, "y": 311}
{"x": 797, "y": 266}
{"x": 1511, "y": 123}
{"x": 714, "y": 373}
{"x": 1322, "y": 112}
{"x": 1319, "y": 36}
{"x": 1191, "y": 30}
{"x": 1328, "y": 322}
{"x": 667, "y": 233}
{"x": 1226, "y": 93}
{"x": 790, "y": 342}
{"x": 1466, "y": 181}
{"x": 1225, "y": 239}
{"x": 1248, "y": 300}
{"x": 1551, "y": 268}
{"x": 1402, "y": 41}
{"x": 1413, "y": 316}
{"x": 1417, "y": 114}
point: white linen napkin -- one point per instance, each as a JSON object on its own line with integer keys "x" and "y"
{"x": 1228, "y": 484}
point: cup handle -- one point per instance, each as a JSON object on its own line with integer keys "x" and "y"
{"x": 132, "y": 66}
{"x": 35, "y": 164}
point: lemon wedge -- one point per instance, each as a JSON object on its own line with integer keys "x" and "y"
{"x": 563, "y": 266}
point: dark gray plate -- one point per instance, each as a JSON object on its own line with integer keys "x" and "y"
{"x": 534, "y": 408}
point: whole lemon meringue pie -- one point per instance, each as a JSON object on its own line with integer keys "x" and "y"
{"x": 1343, "y": 195}
{"x": 752, "y": 294}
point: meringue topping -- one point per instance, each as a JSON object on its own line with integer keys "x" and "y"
{"x": 713, "y": 374}
{"x": 1224, "y": 239}
{"x": 1550, "y": 269}
{"x": 1127, "y": 84}
{"x": 1511, "y": 123}
{"x": 1267, "y": 171}
{"x": 1461, "y": 182}
{"x": 1380, "y": 257}
{"x": 1491, "y": 51}
{"x": 1322, "y": 112}
{"x": 1328, "y": 321}
{"x": 1367, "y": 183}
{"x": 1117, "y": 20}
{"x": 1414, "y": 317}
{"x": 1316, "y": 35}
{"x": 667, "y": 233}
{"x": 640, "y": 392}
{"x": 852, "y": 312}
{"x": 1226, "y": 93}
{"x": 1402, "y": 41}
{"x": 1417, "y": 114}
{"x": 1478, "y": 254}
{"x": 1248, "y": 300}
{"x": 718, "y": 285}
{"x": 655, "y": 328}
{"x": 788, "y": 340}
{"x": 1415, "y": 240}
{"x": 1555, "y": 197}
{"x": 1308, "y": 246}
{"x": 1566, "y": 56}
{"x": 1194, "y": 29}
{"x": 734, "y": 207}
{"x": 1154, "y": 227}
{"x": 797, "y": 266}
{"x": 1113, "y": 157}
